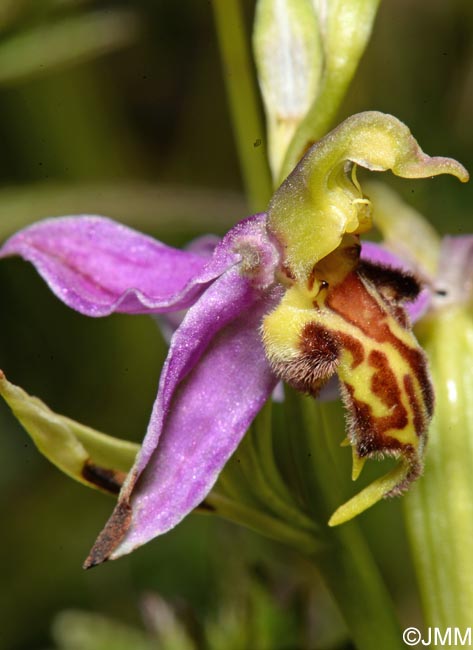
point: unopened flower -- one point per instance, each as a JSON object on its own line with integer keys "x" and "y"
{"x": 284, "y": 295}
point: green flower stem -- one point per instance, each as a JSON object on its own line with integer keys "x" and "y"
{"x": 439, "y": 509}
{"x": 345, "y": 562}
{"x": 263, "y": 523}
{"x": 352, "y": 576}
{"x": 263, "y": 440}
{"x": 244, "y": 102}
{"x": 251, "y": 478}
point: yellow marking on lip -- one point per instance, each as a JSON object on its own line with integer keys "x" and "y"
{"x": 375, "y": 355}
{"x": 281, "y": 334}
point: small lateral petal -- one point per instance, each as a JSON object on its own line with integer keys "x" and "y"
{"x": 376, "y": 254}
{"x": 98, "y": 266}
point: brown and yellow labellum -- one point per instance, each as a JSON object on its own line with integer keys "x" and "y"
{"x": 348, "y": 319}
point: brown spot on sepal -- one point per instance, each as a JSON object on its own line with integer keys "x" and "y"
{"x": 108, "y": 480}
{"x": 110, "y": 536}
{"x": 115, "y": 528}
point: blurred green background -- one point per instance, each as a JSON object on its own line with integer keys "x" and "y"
{"x": 118, "y": 108}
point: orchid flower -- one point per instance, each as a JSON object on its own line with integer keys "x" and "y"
{"x": 284, "y": 295}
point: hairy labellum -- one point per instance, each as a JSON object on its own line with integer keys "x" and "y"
{"x": 356, "y": 326}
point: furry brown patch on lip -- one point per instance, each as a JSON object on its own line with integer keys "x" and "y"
{"x": 392, "y": 284}
{"x": 357, "y": 327}
{"x": 319, "y": 343}
{"x": 316, "y": 360}
{"x": 320, "y": 352}
{"x": 400, "y": 382}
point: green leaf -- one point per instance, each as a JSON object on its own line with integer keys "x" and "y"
{"x": 88, "y": 456}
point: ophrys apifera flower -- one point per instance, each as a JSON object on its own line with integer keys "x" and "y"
{"x": 284, "y": 295}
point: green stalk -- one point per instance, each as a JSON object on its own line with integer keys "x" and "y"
{"x": 353, "y": 578}
{"x": 439, "y": 509}
{"x": 346, "y": 563}
{"x": 252, "y": 478}
{"x": 244, "y": 102}
{"x": 263, "y": 523}
{"x": 263, "y": 441}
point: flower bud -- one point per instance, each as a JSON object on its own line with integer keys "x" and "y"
{"x": 289, "y": 57}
